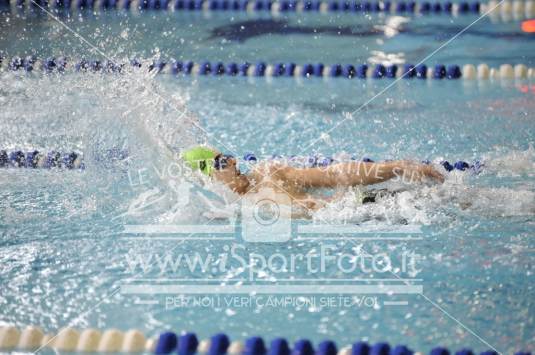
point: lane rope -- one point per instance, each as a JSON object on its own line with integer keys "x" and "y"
{"x": 515, "y": 8}
{"x": 134, "y": 341}
{"x": 279, "y": 70}
{"x": 34, "y": 159}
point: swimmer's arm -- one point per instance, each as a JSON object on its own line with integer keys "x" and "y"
{"x": 360, "y": 173}
{"x": 341, "y": 174}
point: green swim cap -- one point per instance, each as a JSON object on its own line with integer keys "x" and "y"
{"x": 201, "y": 158}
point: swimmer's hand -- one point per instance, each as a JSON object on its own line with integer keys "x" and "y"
{"x": 417, "y": 172}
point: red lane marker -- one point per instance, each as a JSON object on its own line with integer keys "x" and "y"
{"x": 528, "y": 26}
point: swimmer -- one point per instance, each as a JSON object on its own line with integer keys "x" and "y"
{"x": 298, "y": 183}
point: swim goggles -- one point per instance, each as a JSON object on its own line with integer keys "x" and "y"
{"x": 221, "y": 161}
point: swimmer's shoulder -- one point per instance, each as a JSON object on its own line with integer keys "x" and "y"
{"x": 265, "y": 172}
{"x": 270, "y": 168}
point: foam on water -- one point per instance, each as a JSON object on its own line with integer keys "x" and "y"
{"x": 505, "y": 162}
{"x": 463, "y": 193}
{"x": 95, "y": 114}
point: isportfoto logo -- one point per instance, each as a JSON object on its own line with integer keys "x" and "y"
{"x": 234, "y": 269}
{"x": 324, "y": 259}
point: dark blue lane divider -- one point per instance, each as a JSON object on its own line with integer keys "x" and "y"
{"x": 280, "y": 69}
{"x": 72, "y": 160}
{"x": 351, "y": 6}
{"x": 109, "y": 341}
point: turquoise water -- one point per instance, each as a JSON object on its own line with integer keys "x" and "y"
{"x": 65, "y": 257}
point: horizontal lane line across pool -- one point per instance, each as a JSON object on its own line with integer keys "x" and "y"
{"x": 134, "y": 341}
{"x": 262, "y": 69}
{"x": 53, "y": 159}
{"x": 517, "y": 8}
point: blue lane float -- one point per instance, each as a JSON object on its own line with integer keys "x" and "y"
{"x": 187, "y": 344}
{"x": 277, "y": 70}
{"x": 219, "y": 344}
{"x": 327, "y": 347}
{"x": 303, "y": 347}
{"x": 401, "y": 350}
{"x": 279, "y": 346}
{"x": 381, "y": 349}
{"x": 360, "y": 348}
{"x": 254, "y": 346}
{"x": 167, "y": 343}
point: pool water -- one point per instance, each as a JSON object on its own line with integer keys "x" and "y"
{"x": 64, "y": 255}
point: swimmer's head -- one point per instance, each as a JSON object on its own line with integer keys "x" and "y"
{"x": 200, "y": 158}
{"x": 225, "y": 168}
{"x": 211, "y": 163}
